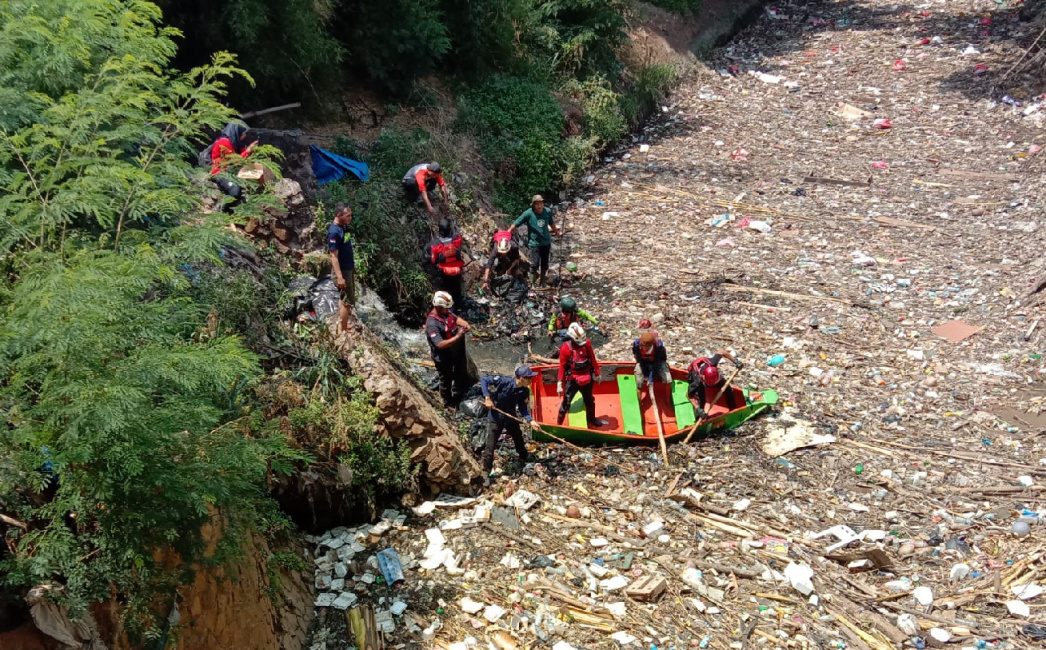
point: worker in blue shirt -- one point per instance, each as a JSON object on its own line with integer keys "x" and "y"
{"x": 507, "y": 398}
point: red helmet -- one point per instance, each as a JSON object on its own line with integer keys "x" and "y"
{"x": 645, "y": 324}
{"x": 710, "y": 375}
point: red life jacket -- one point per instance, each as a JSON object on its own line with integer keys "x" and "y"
{"x": 447, "y": 256}
{"x": 649, "y": 356}
{"x": 695, "y": 367}
{"x": 450, "y": 323}
{"x": 563, "y": 321}
{"x": 579, "y": 365}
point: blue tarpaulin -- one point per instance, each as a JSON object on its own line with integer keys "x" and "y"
{"x": 329, "y": 166}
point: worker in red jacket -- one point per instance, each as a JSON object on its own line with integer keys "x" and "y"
{"x": 422, "y": 179}
{"x": 578, "y": 370}
{"x": 445, "y": 253}
{"x": 233, "y": 140}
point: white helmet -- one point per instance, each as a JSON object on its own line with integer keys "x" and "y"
{"x": 576, "y": 332}
{"x": 442, "y": 299}
{"x": 504, "y": 245}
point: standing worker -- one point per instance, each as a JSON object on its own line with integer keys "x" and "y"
{"x": 567, "y": 316}
{"x": 510, "y": 396}
{"x": 578, "y": 368}
{"x": 706, "y": 382}
{"x": 651, "y": 360}
{"x": 422, "y": 179}
{"x": 539, "y": 222}
{"x": 446, "y": 336}
{"x": 343, "y": 262}
{"x": 444, "y": 253}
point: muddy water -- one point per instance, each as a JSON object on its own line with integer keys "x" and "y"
{"x": 497, "y": 352}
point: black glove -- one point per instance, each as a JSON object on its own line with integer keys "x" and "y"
{"x": 700, "y": 414}
{"x": 738, "y": 364}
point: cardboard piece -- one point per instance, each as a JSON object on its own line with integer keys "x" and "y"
{"x": 647, "y": 588}
{"x": 955, "y": 331}
{"x": 256, "y": 172}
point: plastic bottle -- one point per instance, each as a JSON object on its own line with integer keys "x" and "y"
{"x": 775, "y": 360}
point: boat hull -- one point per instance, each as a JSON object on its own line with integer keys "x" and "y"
{"x": 629, "y": 412}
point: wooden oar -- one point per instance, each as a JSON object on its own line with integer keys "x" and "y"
{"x": 657, "y": 417}
{"x": 714, "y": 402}
{"x": 565, "y": 442}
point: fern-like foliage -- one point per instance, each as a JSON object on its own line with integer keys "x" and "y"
{"x": 121, "y": 411}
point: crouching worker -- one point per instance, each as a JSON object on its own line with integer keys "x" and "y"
{"x": 578, "y": 370}
{"x": 651, "y": 360}
{"x": 706, "y": 382}
{"x": 508, "y": 399}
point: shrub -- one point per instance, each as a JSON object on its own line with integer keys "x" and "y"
{"x": 678, "y": 6}
{"x": 393, "y": 43}
{"x": 604, "y": 122}
{"x": 649, "y": 88}
{"x": 518, "y": 126}
{"x": 387, "y": 233}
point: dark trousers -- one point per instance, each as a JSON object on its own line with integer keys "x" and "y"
{"x": 494, "y": 431}
{"x": 539, "y": 259}
{"x": 453, "y": 377}
{"x": 454, "y": 285}
{"x": 572, "y": 389}
{"x": 410, "y": 188}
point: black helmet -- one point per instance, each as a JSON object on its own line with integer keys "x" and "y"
{"x": 435, "y": 168}
{"x": 568, "y": 304}
{"x": 444, "y": 228}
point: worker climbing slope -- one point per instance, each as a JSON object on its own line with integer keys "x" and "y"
{"x": 445, "y": 254}
{"x": 422, "y": 179}
{"x": 569, "y": 313}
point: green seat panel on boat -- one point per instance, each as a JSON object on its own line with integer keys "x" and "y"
{"x": 684, "y": 409}
{"x": 576, "y": 415}
{"x": 631, "y": 415}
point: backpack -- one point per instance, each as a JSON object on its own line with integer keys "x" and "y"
{"x": 203, "y": 159}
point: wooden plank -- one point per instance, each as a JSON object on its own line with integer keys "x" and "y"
{"x": 821, "y": 180}
{"x": 683, "y": 408}
{"x": 901, "y": 223}
{"x": 631, "y": 414}
{"x": 274, "y": 109}
{"x": 984, "y": 176}
{"x": 577, "y": 417}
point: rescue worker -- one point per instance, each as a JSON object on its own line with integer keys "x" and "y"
{"x": 507, "y": 398}
{"x": 504, "y": 259}
{"x": 568, "y": 314}
{"x": 233, "y": 140}
{"x": 444, "y": 253}
{"x": 445, "y": 333}
{"x": 706, "y": 382}
{"x": 540, "y": 224}
{"x": 578, "y": 371}
{"x": 651, "y": 360}
{"x": 422, "y": 179}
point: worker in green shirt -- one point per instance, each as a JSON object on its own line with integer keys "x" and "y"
{"x": 568, "y": 314}
{"x": 540, "y": 224}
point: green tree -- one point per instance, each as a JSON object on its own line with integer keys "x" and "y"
{"x": 393, "y": 43}
{"x": 121, "y": 409}
{"x": 285, "y": 45}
